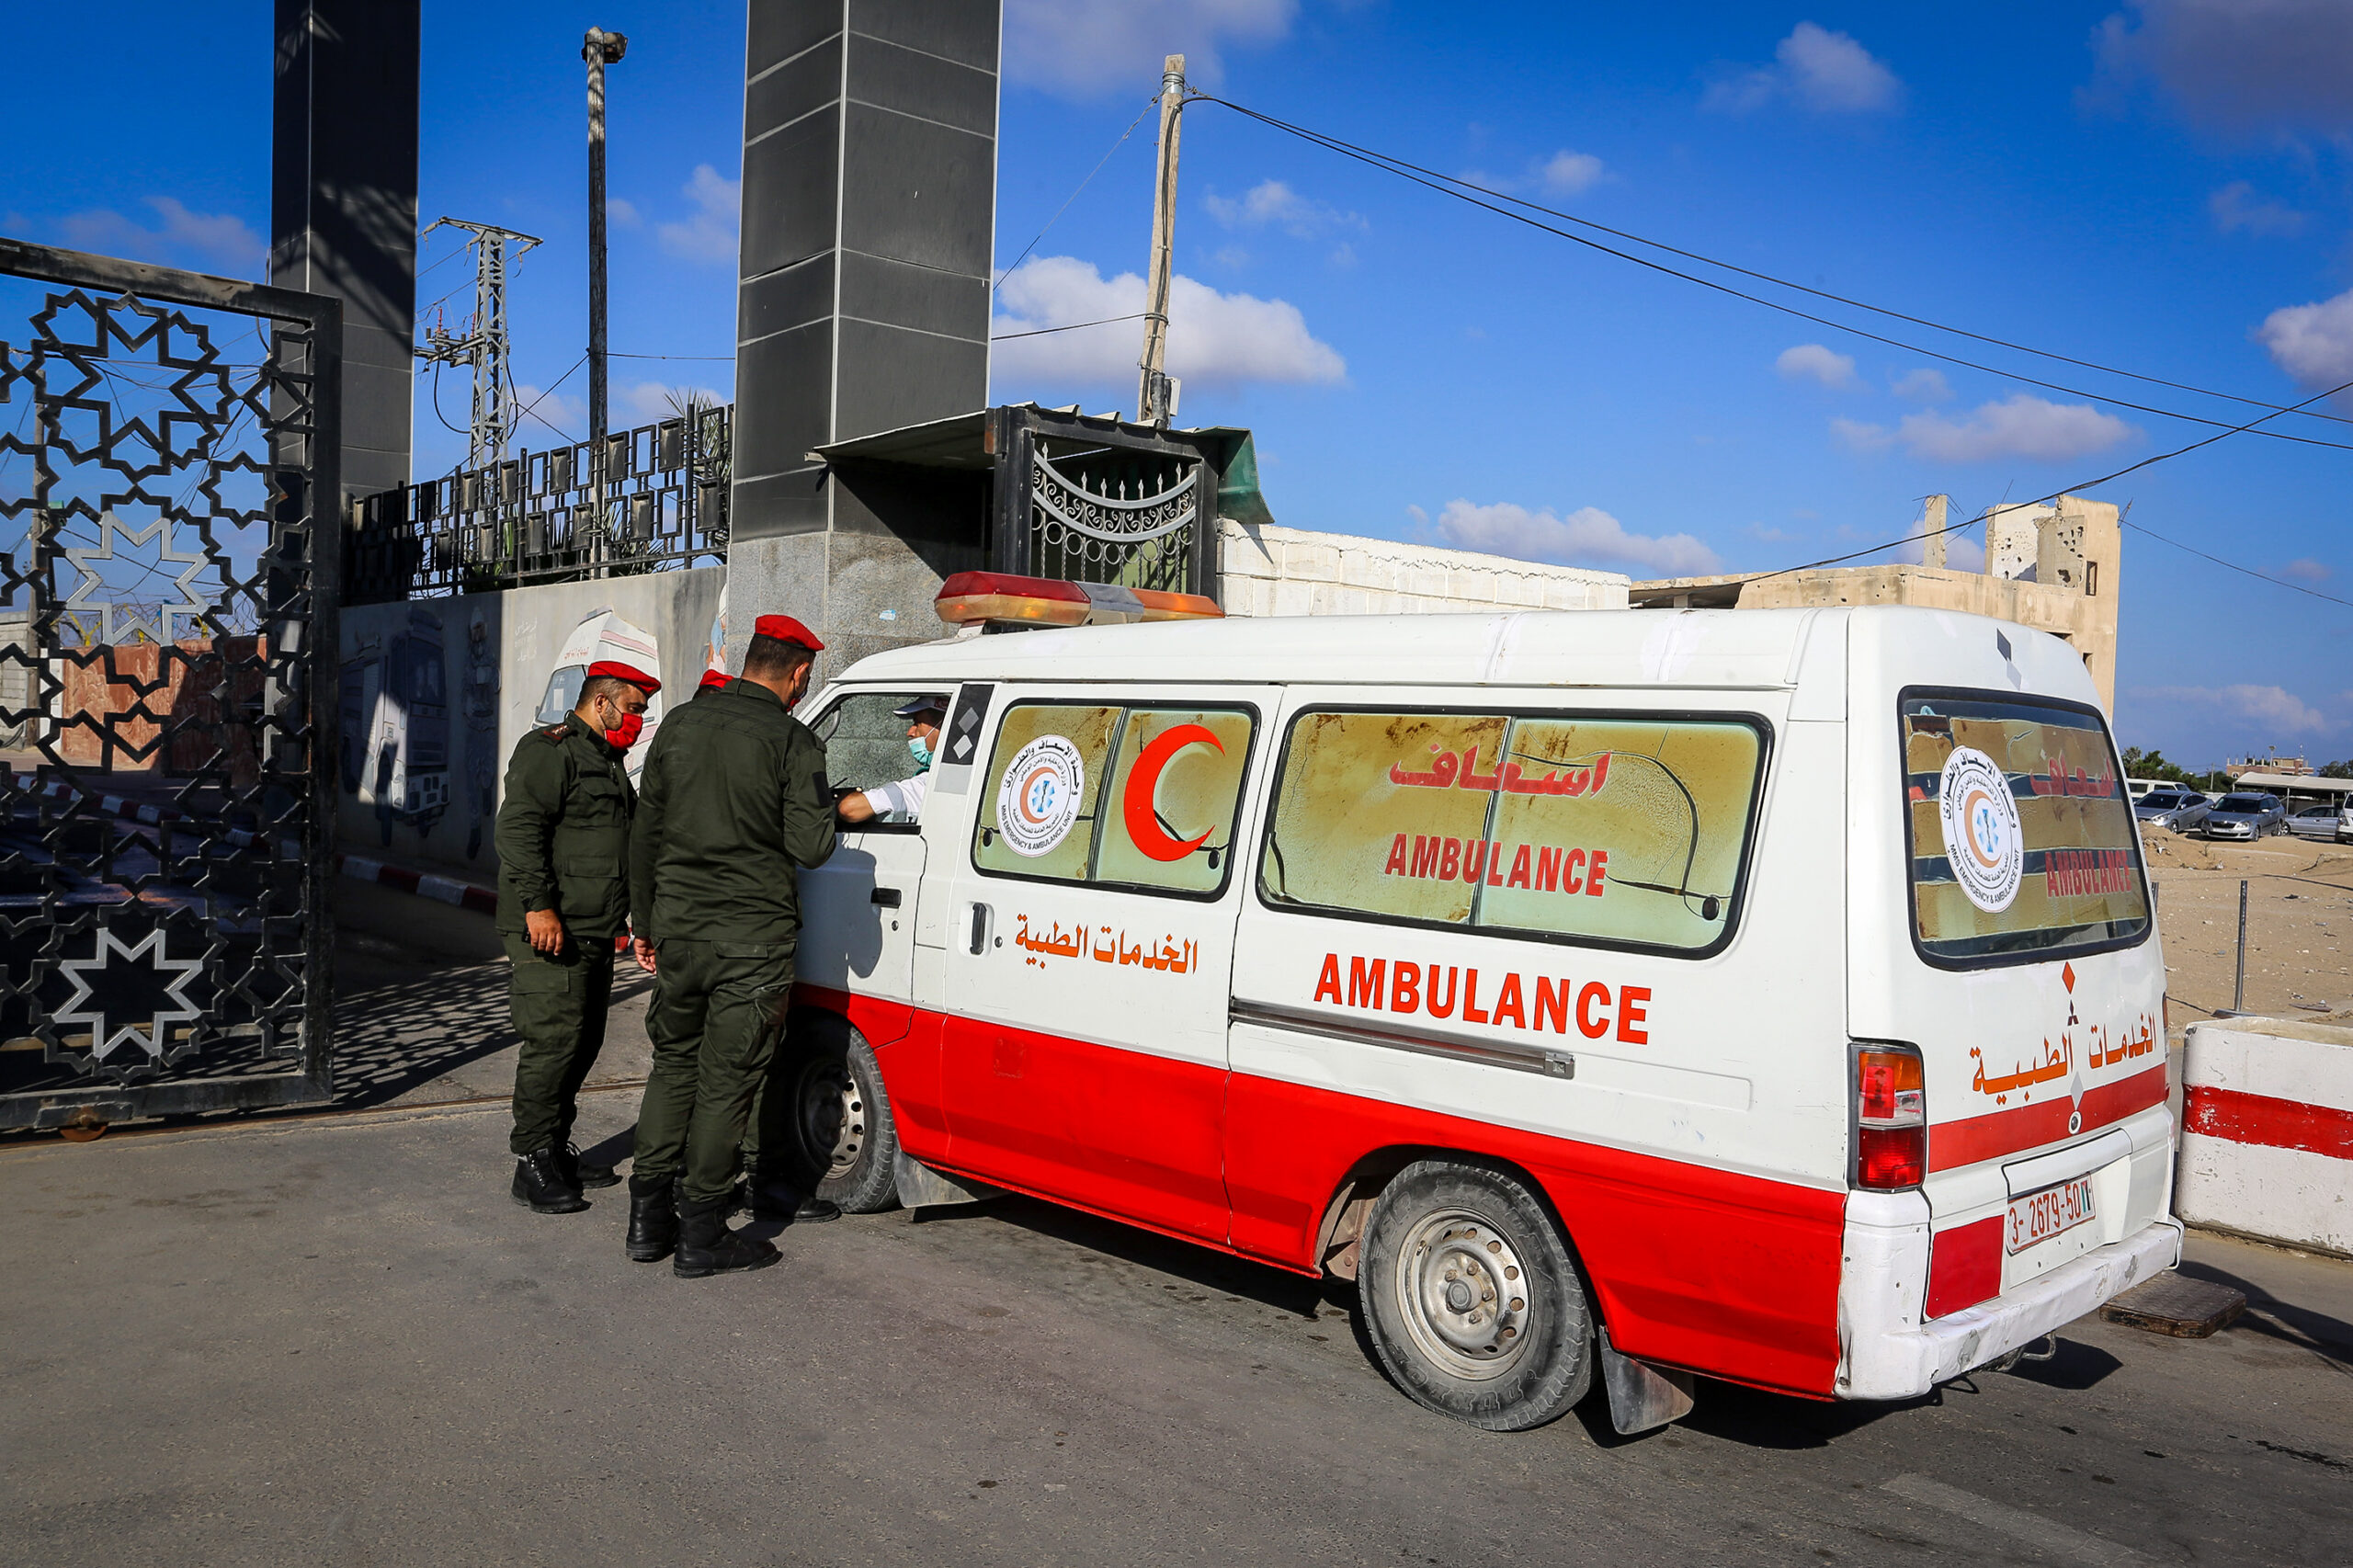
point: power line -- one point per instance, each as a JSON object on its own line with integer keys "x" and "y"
{"x": 1040, "y": 331}
{"x": 1446, "y": 185}
{"x": 617, "y": 354}
{"x": 1148, "y": 104}
{"x": 2094, "y": 484}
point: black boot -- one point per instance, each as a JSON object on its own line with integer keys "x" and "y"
{"x": 773, "y": 1197}
{"x": 653, "y": 1217}
{"x": 706, "y": 1247}
{"x": 539, "y": 1185}
{"x": 567, "y": 1159}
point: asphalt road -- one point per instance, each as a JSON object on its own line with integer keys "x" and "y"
{"x": 338, "y": 1342}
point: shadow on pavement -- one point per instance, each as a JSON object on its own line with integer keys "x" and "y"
{"x": 1219, "y": 1271}
{"x": 2330, "y": 1338}
{"x": 2075, "y": 1368}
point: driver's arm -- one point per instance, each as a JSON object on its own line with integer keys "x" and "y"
{"x": 854, "y": 808}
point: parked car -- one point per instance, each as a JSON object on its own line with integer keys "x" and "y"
{"x": 2176, "y": 806}
{"x": 2331, "y": 820}
{"x": 2241, "y": 814}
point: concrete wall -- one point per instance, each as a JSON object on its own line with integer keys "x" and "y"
{"x": 420, "y": 778}
{"x": 1269, "y": 569}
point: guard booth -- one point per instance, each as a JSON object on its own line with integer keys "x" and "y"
{"x": 169, "y": 459}
{"x": 1054, "y": 493}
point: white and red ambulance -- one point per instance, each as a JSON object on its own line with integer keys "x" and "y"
{"x": 1771, "y": 995}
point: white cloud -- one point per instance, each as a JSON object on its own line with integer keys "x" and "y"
{"x": 1565, "y": 172}
{"x": 1812, "y": 361}
{"x": 1587, "y": 537}
{"x": 1962, "y": 553}
{"x": 647, "y": 401}
{"x": 1214, "y": 339}
{"x": 1826, "y": 72}
{"x": 1272, "y": 201}
{"x": 210, "y": 239}
{"x": 2022, "y": 426}
{"x": 2313, "y": 343}
{"x": 2236, "y": 207}
{"x": 1571, "y": 174}
{"x": 710, "y": 234}
{"x": 1926, "y": 384}
{"x": 550, "y": 412}
{"x": 624, "y": 214}
{"x": 2239, "y": 64}
{"x": 2306, "y": 569}
{"x": 1093, "y": 48}
{"x": 2268, "y": 705}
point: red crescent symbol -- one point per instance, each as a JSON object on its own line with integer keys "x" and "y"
{"x": 1969, "y": 824}
{"x": 1021, "y": 796}
{"x": 1135, "y": 805}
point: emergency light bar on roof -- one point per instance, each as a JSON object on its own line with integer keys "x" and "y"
{"x": 1003, "y": 599}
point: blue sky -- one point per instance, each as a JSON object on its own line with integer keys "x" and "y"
{"x": 2160, "y": 186}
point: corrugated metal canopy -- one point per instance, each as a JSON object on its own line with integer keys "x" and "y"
{"x": 2300, "y": 783}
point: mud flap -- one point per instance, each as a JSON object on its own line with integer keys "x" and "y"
{"x": 920, "y": 1186}
{"x": 1641, "y": 1396}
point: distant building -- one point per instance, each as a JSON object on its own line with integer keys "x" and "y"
{"x": 1266, "y": 569}
{"x": 2274, "y": 766}
{"x": 2053, "y": 568}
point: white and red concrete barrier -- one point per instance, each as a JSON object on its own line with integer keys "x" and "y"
{"x": 2266, "y": 1146}
{"x": 424, "y": 884}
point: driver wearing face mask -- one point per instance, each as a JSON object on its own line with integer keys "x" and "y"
{"x": 903, "y": 801}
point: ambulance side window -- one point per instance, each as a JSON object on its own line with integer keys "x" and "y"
{"x": 866, "y": 744}
{"x": 1618, "y": 829}
{"x": 1114, "y": 796}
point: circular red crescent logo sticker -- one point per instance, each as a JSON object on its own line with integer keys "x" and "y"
{"x": 1038, "y": 800}
{"x": 1984, "y": 842}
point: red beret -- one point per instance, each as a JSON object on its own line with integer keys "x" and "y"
{"x": 784, "y": 629}
{"x": 614, "y": 669}
{"x": 712, "y": 679}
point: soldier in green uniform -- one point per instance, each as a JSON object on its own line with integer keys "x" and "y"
{"x": 562, "y": 840}
{"x": 736, "y": 800}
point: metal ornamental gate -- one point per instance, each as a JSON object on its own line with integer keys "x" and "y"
{"x": 169, "y": 455}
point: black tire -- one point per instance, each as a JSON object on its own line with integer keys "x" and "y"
{"x": 1449, "y": 1248}
{"x": 846, "y": 1147}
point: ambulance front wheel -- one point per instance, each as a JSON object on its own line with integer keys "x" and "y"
{"x": 1471, "y": 1298}
{"x": 848, "y": 1146}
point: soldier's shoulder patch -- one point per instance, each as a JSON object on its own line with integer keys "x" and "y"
{"x": 555, "y": 732}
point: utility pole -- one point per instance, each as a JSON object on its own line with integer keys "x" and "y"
{"x": 599, "y": 49}
{"x": 1155, "y": 394}
{"x": 484, "y": 346}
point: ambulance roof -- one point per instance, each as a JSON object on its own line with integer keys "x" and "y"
{"x": 1692, "y": 648}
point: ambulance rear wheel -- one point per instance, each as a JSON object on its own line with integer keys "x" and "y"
{"x": 847, "y": 1147}
{"x": 1470, "y": 1299}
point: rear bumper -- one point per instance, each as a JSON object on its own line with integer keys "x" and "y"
{"x": 1886, "y": 1350}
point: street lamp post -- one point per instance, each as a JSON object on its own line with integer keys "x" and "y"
{"x": 599, "y": 49}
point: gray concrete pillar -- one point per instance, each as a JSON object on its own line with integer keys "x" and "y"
{"x": 870, "y": 200}
{"x": 343, "y": 205}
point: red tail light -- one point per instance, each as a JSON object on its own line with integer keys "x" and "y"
{"x": 1891, "y": 1118}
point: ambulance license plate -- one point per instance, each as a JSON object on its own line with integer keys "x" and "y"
{"x": 2039, "y": 1216}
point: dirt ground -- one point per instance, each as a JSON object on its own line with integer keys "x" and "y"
{"x": 2299, "y": 924}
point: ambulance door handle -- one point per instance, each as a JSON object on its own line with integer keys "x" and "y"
{"x": 981, "y": 920}
{"x": 883, "y": 898}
